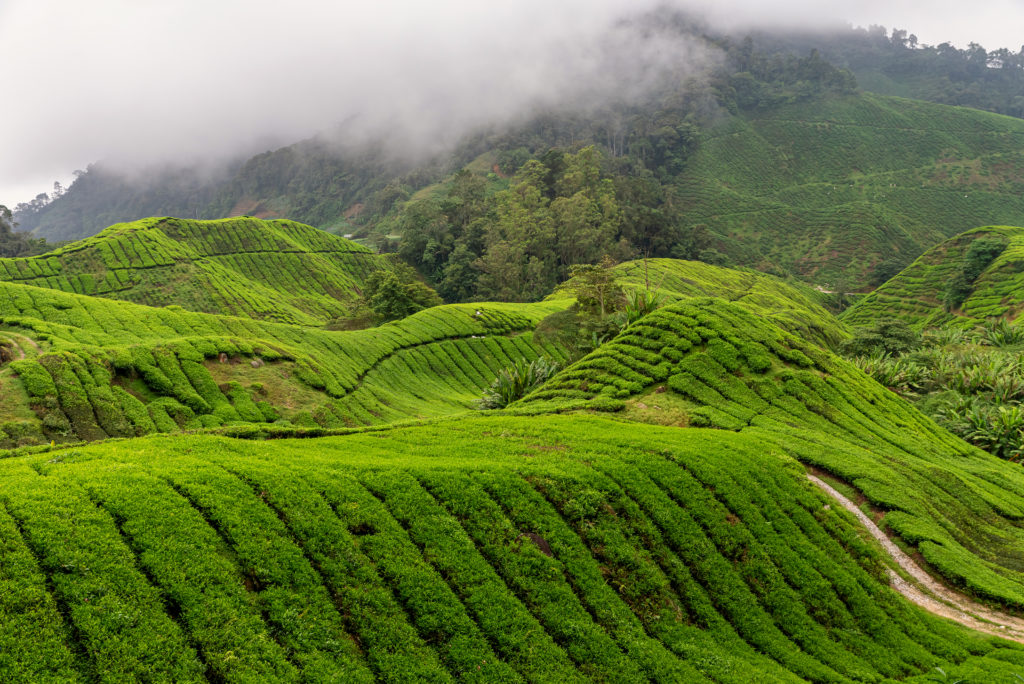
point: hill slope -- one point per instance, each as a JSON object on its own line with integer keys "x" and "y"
{"x": 492, "y": 549}
{"x": 832, "y": 187}
{"x": 504, "y": 548}
{"x": 712, "y": 363}
{"x": 90, "y": 367}
{"x": 275, "y": 270}
{"x": 789, "y": 304}
{"x": 918, "y": 294}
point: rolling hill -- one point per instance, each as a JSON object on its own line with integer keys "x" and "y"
{"x": 92, "y": 368}
{"x": 918, "y": 294}
{"x": 527, "y": 546}
{"x": 830, "y": 188}
{"x": 488, "y": 549}
{"x": 271, "y": 270}
{"x": 85, "y": 368}
{"x": 645, "y": 515}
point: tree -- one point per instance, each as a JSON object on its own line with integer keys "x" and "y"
{"x": 596, "y": 288}
{"x": 397, "y": 293}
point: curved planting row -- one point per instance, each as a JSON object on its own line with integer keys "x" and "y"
{"x": 792, "y": 306}
{"x": 274, "y": 270}
{"x": 729, "y": 369}
{"x": 488, "y": 550}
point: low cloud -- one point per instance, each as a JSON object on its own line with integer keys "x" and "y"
{"x": 138, "y": 83}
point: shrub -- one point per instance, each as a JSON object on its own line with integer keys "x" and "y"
{"x": 887, "y": 336}
{"x": 516, "y": 381}
{"x": 979, "y": 255}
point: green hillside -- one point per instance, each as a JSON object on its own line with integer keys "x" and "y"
{"x": 525, "y": 548}
{"x": 829, "y": 189}
{"x": 789, "y": 304}
{"x": 85, "y": 368}
{"x": 275, "y": 270}
{"x": 643, "y": 516}
{"x": 709, "y": 363}
{"x": 918, "y": 294}
{"x": 92, "y": 368}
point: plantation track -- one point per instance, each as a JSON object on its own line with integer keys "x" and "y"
{"x": 924, "y": 591}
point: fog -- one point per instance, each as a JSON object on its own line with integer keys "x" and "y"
{"x": 137, "y": 83}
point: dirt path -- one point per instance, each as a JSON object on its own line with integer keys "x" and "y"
{"x": 925, "y": 591}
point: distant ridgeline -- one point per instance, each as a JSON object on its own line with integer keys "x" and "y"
{"x": 273, "y": 270}
{"x": 834, "y": 188}
{"x": 972, "y": 277}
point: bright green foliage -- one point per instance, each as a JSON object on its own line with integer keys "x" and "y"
{"x": 740, "y": 373}
{"x": 836, "y": 186}
{"x": 496, "y": 549}
{"x": 789, "y": 304}
{"x": 274, "y": 270}
{"x": 986, "y": 264}
{"x": 514, "y": 382}
{"x": 118, "y": 369}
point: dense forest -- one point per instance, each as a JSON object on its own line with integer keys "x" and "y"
{"x": 896, "y": 63}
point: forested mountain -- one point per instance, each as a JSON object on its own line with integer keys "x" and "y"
{"x": 774, "y": 161}
{"x": 896, "y": 63}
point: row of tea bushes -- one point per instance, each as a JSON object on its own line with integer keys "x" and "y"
{"x": 492, "y": 549}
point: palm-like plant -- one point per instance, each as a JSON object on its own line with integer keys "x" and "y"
{"x": 515, "y": 381}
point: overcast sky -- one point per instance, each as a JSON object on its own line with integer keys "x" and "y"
{"x": 136, "y": 82}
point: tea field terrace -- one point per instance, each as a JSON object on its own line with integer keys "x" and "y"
{"x": 270, "y": 270}
{"x": 546, "y": 548}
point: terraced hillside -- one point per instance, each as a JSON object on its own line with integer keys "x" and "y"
{"x": 708, "y": 363}
{"x": 490, "y": 549}
{"x": 790, "y": 304}
{"x": 918, "y": 294}
{"x": 85, "y": 368}
{"x": 833, "y": 187}
{"x": 274, "y": 270}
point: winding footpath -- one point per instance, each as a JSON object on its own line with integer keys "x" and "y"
{"x": 925, "y": 591}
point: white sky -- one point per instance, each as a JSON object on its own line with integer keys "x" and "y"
{"x": 137, "y": 81}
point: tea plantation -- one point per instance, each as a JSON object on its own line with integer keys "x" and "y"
{"x": 96, "y": 368}
{"x": 919, "y": 295}
{"x": 274, "y": 270}
{"x": 486, "y": 549}
{"x": 833, "y": 187}
{"x": 643, "y": 515}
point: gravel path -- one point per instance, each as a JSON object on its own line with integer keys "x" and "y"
{"x": 925, "y": 591}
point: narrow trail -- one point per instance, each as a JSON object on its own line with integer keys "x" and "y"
{"x": 925, "y": 591}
